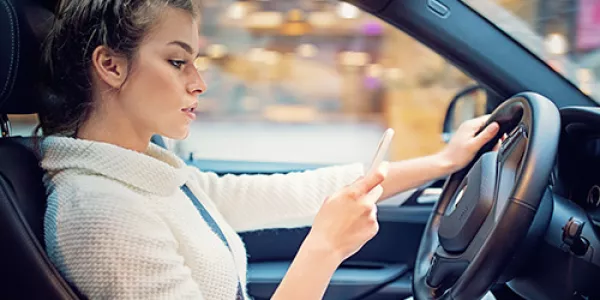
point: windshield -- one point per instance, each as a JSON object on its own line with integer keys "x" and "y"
{"x": 563, "y": 33}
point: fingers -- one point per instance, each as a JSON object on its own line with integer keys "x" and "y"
{"x": 373, "y": 196}
{"x": 487, "y": 134}
{"x": 373, "y": 179}
{"x": 369, "y": 185}
{"x": 479, "y": 121}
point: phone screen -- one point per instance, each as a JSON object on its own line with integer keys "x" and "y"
{"x": 382, "y": 149}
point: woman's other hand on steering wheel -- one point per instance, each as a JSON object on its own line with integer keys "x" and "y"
{"x": 465, "y": 143}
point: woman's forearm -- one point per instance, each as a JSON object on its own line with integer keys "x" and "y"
{"x": 462, "y": 148}
{"x": 310, "y": 272}
{"x": 412, "y": 173}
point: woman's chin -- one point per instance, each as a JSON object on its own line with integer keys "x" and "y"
{"x": 178, "y": 135}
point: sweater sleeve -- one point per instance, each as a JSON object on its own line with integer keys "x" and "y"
{"x": 250, "y": 202}
{"x": 117, "y": 249}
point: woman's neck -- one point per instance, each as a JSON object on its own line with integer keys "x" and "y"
{"x": 115, "y": 130}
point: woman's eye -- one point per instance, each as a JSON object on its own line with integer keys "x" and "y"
{"x": 177, "y": 63}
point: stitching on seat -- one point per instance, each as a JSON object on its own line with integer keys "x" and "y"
{"x": 10, "y": 80}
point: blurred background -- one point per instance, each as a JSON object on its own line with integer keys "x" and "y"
{"x": 318, "y": 81}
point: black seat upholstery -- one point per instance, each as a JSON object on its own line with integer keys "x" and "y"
{"x": 25, "y": 270}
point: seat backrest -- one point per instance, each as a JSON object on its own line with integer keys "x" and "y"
{"x": 25, "y": 270}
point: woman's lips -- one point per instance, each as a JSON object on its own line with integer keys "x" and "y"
{"x": 189, "y": 113}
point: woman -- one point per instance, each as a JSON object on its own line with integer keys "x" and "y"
{"x": 127, "y": 219}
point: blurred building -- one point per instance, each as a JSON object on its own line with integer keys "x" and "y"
{"x": 312, "y": 61}
{"x": 319, "y": 61}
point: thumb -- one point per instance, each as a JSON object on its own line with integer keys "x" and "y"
{"x": 487, "y": 134}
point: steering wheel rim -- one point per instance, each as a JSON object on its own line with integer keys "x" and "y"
{"x": 531, "y": 118}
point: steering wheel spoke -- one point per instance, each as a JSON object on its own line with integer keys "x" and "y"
{"x": 510, "y": 157}
{"x": 445, "y": 270}
{"x": 514, "y": 140}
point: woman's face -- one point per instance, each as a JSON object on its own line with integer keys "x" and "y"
{"x": 160, "y": 94}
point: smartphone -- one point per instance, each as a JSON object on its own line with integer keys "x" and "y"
{"x": 382, "y": 149}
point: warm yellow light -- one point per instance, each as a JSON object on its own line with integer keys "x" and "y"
{"x": 585, "y": 78}
{"x": 393, "y": 74}
{"x": 271, "y": 57}
{"x": 295, "y": 15}
{"x": 295, "y": 24}
{"x": 584, "y": 75}
{"x": 374, "y": 70}
{"x": 347, "y": 11}
{"x": 321, "y": 19}
{"x": 350, "y": 58}
{"x": 201, "y": 63}
{"x": 264, "y": 19}
{"x": 307, "y": 50}
{"x": 216, "y": 51}
{"x": 256, "y": 54}
{"x": 290, "y": 113}
{"x": 556, "y": 44}
{"x": 237, "y": 11}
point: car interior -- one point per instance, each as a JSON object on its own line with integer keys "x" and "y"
{"x": 522, "y": 222}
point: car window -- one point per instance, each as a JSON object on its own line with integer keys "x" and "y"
{"x": 23, "y": 125}
{"x": 563, "y": 33}
{"x": 313, "y": 82}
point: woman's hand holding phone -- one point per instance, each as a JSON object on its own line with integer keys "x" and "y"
{"x": 348, "y": 219}
{"x": 345, "y": 222}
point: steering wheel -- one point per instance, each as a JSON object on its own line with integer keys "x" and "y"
{"x": 485, "y": 210}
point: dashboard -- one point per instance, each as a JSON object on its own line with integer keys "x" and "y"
{"x": 577, "y": 172}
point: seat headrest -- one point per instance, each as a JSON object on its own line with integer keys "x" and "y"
{"x": 23, "y": 26}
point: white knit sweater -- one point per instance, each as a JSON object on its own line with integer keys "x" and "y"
{"x": 118, "y": 226}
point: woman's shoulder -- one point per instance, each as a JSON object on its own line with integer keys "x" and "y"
{"x": 90, "y": 214}
{"x": 90, "y": 206}
{"x": 77, "y": 190}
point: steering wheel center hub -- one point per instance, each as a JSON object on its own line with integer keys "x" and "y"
{"x": 471, "y": 205}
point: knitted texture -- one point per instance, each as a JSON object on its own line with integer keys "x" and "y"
{"x": 118, "y": 226}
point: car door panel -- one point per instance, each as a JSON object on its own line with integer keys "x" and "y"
{"x": 377, "y": 271}
{"x": 399, "y": 289}
{"x": 348, "y": 282}
{"x": 380, "y": 270}
{"x": 396, "y": 242}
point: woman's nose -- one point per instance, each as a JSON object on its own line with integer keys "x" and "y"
{"x": 196, "y": 86}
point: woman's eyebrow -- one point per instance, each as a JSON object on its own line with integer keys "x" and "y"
{"x": 185, "y": 47}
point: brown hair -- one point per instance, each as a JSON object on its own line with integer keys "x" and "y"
{"x": 79, "y": 28}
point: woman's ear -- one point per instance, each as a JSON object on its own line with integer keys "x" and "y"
{"x": 109, "y": 67}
